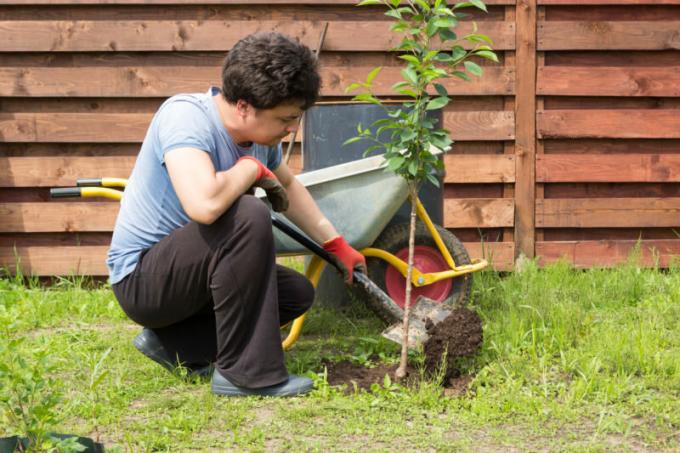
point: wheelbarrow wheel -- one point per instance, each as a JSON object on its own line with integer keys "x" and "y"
{"x": 427, "y": 258}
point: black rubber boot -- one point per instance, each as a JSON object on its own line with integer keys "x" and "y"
{"x": 148, "y": 343}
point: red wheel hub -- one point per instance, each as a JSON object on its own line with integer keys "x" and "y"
{"x": 426, "y": 259}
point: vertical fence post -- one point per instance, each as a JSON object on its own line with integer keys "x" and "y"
{"x": 525, "y": 128}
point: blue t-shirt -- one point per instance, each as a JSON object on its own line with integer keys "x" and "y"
{"x": 150, "y": 209}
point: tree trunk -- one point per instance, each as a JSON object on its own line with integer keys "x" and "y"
{"x": 413, "y": 195}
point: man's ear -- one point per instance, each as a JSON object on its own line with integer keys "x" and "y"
{"x": 243, "y": 108}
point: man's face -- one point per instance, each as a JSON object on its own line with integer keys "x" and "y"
{"x": 270, "y": 126}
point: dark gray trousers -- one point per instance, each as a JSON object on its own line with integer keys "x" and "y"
{"x": 214, "y": 293}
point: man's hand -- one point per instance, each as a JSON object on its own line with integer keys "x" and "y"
{"x": 265, "y": 179}
{"x": 345, "y": 257}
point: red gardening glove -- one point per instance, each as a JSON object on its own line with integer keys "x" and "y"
{"x": 265, "y": 179}
{"x": 345, "y": 257}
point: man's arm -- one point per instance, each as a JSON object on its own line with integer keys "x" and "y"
{"x": 205, "y": 194}
{"x": 303, "y": 210}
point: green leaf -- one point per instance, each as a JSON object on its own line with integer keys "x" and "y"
{"x": 423, "y": 4}
{"x": 395, "y": 162}
{"x": 443, "y": 57}
{"x": 369, "y": 2}
{"x": 462, "y": 5}
{"x": 447, "y": 35}
{"x": 461, "y": 75}
{"x": 473, "y": 68}
{"x": 409, "y": 93}
{"x": 349, "y": 141}
{"x": 410, "y": 75}
{"x": 458, "y": 52}
{"x": 410, "y": 58}
{"x": 441, "y": 89}
{"x": 431, "y": 28}
{"x": 432, "y": 179}
{"x": 399, "y": 26}
{"x": 437, "y": 103}
{"x": 475, "y": 37}
{"x": 372, "y": 74}
{"x": 395, "y": 3}
{"x": 393, "y": 13}
{"x": 446, "y": 22}
{"x": 353, "y": 87}
{"x": 413, "y": 167}
{"x": 489, "y": 55}
{"x": 479, "y": 4}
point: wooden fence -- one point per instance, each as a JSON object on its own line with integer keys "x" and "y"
{"x": 569, "y": 148}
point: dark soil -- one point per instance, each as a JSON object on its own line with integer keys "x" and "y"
{"x": 354, "y": 374}
{"x": 459, "y": 335}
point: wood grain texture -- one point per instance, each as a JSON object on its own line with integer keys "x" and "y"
{"x": 212, "y": 35}
{"x": 478, "y": 212}
{"x": 525, "y": 128}
{"x": 587, "y": 254}
{"x": 131, "y": 127}
{"x": 54, "y": 171}
{"x": 57, "y": 217}
{"x": 471, "y": 168}
{"x": 608, "y": 35}
{"x": 608, "y": 168}
{"x": 500, "y": 255}
{"x": 608, "y": 2}
{"x": 91, "y": 260}
{"x": 608, "y": 81}
{"x": 208, "y": 2}
{"x": 54, "y": 216}
{"x": 165, "y": 81}
{"x": 608, "y": 212}
{"x": 602, "y": 123}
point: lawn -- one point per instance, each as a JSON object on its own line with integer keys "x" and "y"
{"x": 571, "y": 361}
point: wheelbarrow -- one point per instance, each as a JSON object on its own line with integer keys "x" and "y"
{"x": 360, "y": 198}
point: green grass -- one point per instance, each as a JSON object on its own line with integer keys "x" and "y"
{"x": 572, "y": 361}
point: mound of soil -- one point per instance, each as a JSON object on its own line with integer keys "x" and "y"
{"x": 459, "y": 335}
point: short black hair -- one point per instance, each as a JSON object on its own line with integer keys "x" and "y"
{"x": 268, "y": 69}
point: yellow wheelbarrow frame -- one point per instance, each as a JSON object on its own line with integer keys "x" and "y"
{"x": 108, "y": 188}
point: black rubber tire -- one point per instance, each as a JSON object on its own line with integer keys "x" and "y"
{"x": 394, "y": 239}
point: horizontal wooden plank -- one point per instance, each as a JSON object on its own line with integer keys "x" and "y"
{"x": 500, "y": 255}
{"x": 480, "y": 126}
{"x": 608, "y": 35}
{"x": 57, "y": 217}
{"x": 587, "y": 254}
{"x": 35, "y": 217}
{"x": 61, "y": 171}
{"x": 607, "y": 212}
{"x": 608, "y": 81}
{"x": 45, "y": 260}
{"x": 91, "y": 260}
{"x": 58, "y": 171}
{"x": 613, "y": 123}
{"x": 479, "y": 212}
{"x": 131, "y": 127}
{"x": 215, "y": 35}
{"x": 164, "y": 81}
{"x": 479, "y": 168}
{"x": 211, "y": 2}
{"x": 74, "y": 127}
{"x": 608, "y": 2}
{"x": 608, "y": 168}
{"x": 55, "y": 171}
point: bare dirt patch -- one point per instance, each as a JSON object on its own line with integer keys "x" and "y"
{"x": 459, "y": 335}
